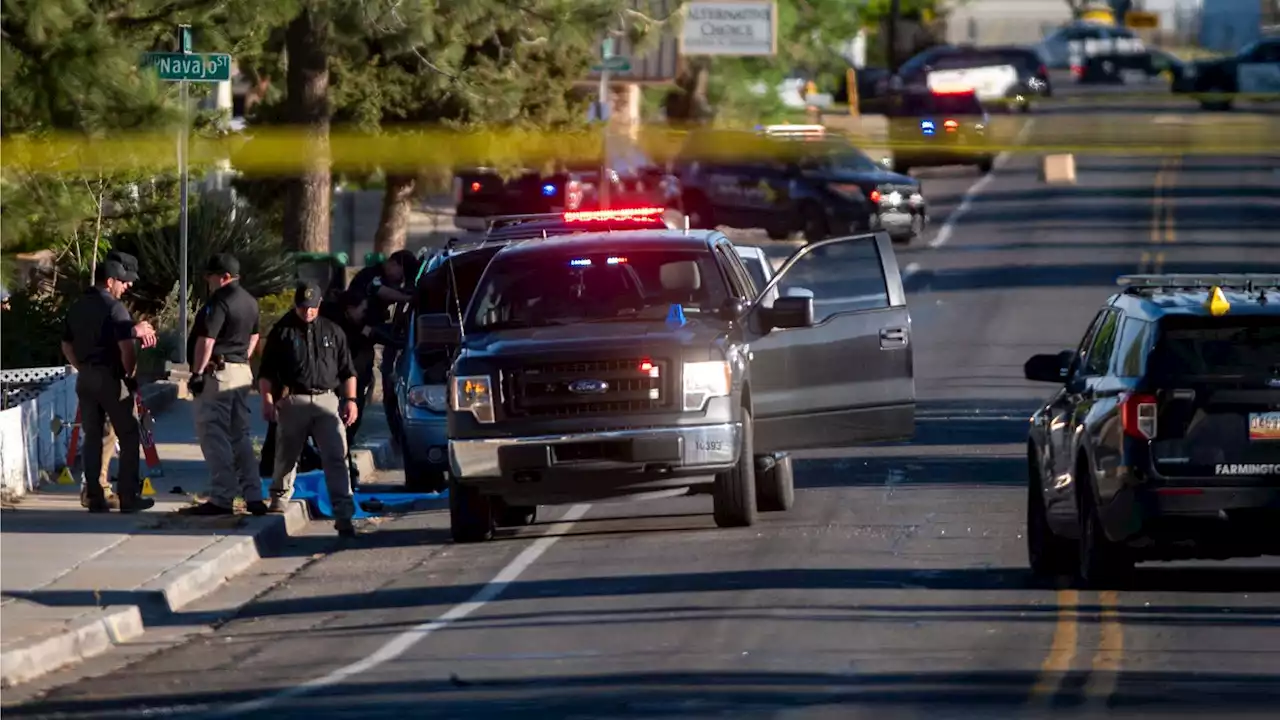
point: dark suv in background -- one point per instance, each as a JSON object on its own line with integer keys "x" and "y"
{"x": 1163, "y": 439}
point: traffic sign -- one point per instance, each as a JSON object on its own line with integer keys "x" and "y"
{"x": 616, "y": 63}
{"x": 193, "y": 67}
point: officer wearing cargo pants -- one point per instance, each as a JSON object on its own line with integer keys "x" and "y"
{"x": 305, "y": 360}
{"x": 223, "y": 339}
{"x": 98, "y": 341}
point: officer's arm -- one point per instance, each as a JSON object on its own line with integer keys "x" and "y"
{"x": 215, "y": 316}
{"x": 123, "y": 325}
{"x": 253, "y": 338}
{"x": 269, "y": 370}
{"x": 346, "y": 368}
{"x": 68, "y": 349}
{"x": 393, "y": 295}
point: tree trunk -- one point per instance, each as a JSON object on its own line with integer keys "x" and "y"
{"x": 688, "y": 102}
{"x": 306, "y": 209}
{"x": 393, "y": 226}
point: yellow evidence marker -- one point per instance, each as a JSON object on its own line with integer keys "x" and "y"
{"x": 147, "y": 489}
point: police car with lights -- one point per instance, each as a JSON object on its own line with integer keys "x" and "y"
{"x": 1001, "y": 77}
{"x": 620, "y": 364}
{"x": 420, "y": 371}
{"x": 939, "y": 128}
{"x": 1162, "y": 441}
{"x": 795, "y": 178}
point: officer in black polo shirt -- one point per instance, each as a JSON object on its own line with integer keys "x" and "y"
{"x": 305, "y": 360}
{"x": 387, "y": 286}
{"x": 225, "y": 334}
{"x": 98, "y": 341}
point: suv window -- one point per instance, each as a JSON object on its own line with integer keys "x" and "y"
{"x": 1131, "y": 354}
{"x": 563, "y": 286}
{"x": 836, "y": 157}
{"x": 1206, "y": 346}
{"x": 966, "y": 60}
{"x": 860, "y": 284}
{"x": 1097, "y": 360}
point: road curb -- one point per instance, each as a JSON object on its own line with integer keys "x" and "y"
{"x": 372, "y": 457}
{"x": 88, "y": 636}
{"x": 103, "y": 628}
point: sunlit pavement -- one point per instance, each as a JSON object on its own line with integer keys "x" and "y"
{"x": 895, "y": 588}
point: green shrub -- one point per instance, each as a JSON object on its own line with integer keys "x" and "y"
{"x": 31, "y": 330}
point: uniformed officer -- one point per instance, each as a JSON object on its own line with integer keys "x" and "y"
{"x": 348, "y": 312}
{"x": 146, "y": 335}
{"x": 305, "y": 360}
{"x": 98, "y": 341}
{"x": 386, "y": 286}
{"x": 225, "y": 334}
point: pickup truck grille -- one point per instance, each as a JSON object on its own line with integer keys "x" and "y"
{"x": 591, "y": 387}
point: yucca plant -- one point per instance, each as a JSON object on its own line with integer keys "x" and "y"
{"x": 213, "y": 227}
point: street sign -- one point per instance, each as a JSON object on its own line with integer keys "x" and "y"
{"x": 194, "y": 67}
{"x": 615, "y": 63}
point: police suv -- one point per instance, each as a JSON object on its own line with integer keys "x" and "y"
{"x": 607, "y": 365}
{"x": 1251, "y": 74}
{"x": 1162, "y": 440}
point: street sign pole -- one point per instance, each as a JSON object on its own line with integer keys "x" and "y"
{"x": 184, "y": 48}
{"x": 606, "y": 52}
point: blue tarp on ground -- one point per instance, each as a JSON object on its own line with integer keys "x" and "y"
{"x": 310, "y": 488}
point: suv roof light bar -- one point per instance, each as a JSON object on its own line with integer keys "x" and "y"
{"x": 1178, "y": 281}
{"x": 795, "y": 130}
{"x": 500, "y": 221}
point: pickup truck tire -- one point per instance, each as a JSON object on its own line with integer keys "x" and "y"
{"x": 813, "y": 220}
{"x": 734, "y": 496}
{"x": 776, "y": 487}
{"x": 515, "y": 515}
{"x": 1048, "y": 554}
{"x": 986, "y": 165}
{"x": 470, "y": 514}
{"x": 1103, "y": 564}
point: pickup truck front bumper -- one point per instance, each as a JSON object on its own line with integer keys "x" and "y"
{"x": 680, "y": 450}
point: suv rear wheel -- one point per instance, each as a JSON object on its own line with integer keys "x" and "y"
{"x": 470, "y": 514}
{"x": 734, "y": 495}
{"x": 1101, "y": 562}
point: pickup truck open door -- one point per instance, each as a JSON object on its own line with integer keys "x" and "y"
{"x": 845, "y": 375}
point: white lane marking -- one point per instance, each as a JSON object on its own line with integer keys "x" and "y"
{"x": 910, "y": 269}
{"x": 948, "y": 227}
{"x": 402, "y": 643}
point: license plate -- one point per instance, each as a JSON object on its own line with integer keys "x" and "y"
{"x": 895, "y": 219}
{"x": 1264, "y": 426}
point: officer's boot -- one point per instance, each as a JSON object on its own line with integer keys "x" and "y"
{"x": 345, "y": 528}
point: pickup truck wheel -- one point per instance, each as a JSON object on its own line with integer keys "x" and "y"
{"x": 1102, "y": 563}
{"x": 776, "y": 487}
{"x": 734, "y": 497}
{"x": 814, "y": 221}
{"x": 470, "y": 514}
{"x": 516, "y": 515}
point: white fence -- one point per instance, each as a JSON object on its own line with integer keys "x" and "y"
{"x": 28, "y": 445}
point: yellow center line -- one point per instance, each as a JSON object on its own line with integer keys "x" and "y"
{"x": 1147, "y": 263}
{"x": 1109, "y": 657}
{"x": 1062, "y": 649}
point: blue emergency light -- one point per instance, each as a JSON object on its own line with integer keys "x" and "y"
{"x": 580, "y": 262}
{"x": 927, "y": 127}
{"x": 548, "y": 190}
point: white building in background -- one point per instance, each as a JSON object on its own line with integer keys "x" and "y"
{"x": 999, "y": 22}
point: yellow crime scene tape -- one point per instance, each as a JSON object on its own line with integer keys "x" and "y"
{"x": 287, "y": 151}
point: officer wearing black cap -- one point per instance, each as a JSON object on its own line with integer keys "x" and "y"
{"x": 146, "y": 335}
{"x": 98, "y": 341}
{"x": 225, "y": 334}
{"x": 305, "y": 360}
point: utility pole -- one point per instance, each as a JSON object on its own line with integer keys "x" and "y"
{"x": 602, "y": 189}
{"x": 184, "y": 47}
{"x": 891, "y": 39}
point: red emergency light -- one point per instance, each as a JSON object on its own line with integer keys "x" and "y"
{"x": 954, "y": 91}
{"x": 618, "y": 214}
{"x": 951, "y": 125}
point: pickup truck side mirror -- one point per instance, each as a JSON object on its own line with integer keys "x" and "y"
{"x": 1049, "y": 368}
{"x": 788, "y": 312}
{"x": 732, "y": 309}
{"x": 437, "y": 329}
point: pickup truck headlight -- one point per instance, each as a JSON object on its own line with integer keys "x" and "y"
{"x": 474, "y": 394}
{"x": 430, "y": 397}
{"x": 703, "y": 381}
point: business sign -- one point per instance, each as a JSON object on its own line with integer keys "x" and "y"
{"x": 733, "y": 28}
{"x": 1142, "y": 20}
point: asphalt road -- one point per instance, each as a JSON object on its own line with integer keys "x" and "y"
{"x": 897, "y": 586}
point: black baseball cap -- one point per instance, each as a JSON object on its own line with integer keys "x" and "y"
{"x": 110, "y": 270}
{"x": 307, "y": 295}
{"x": 128, "y": 262}
{"x": 223, "y": 264}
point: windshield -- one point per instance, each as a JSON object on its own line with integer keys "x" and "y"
{"x": 1210, "y": 347}
{"x": 548, "y": 288}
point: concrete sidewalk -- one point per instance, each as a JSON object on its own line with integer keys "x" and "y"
{"x": 75, "y": 584}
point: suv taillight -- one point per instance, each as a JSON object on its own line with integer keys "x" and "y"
{"x": 1138, "y": 415}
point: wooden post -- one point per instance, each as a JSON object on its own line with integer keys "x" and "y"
{"x": 851, "y": 82}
